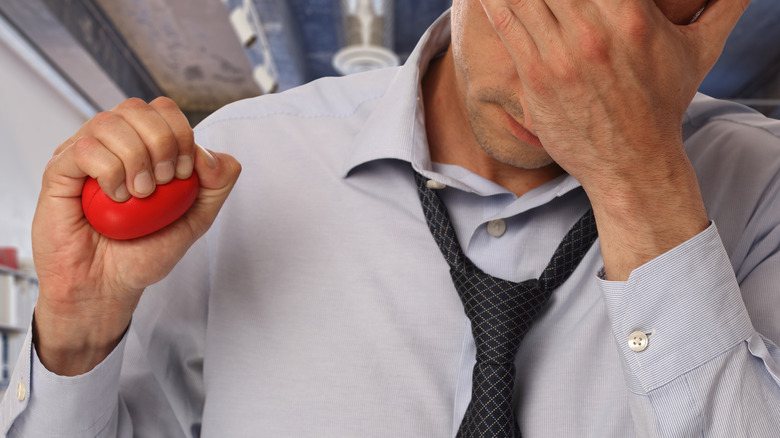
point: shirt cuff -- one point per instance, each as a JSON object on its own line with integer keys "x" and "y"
{"x": 687, "y": 303}
{"x": 71, "y": 406}
{"x": 17, "y": 395}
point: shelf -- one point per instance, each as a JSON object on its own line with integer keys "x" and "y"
{"x": 5, "y": 328}
{"x": 18, "y": 274}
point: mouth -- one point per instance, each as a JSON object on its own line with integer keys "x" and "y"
{"x": 521, "y": 133}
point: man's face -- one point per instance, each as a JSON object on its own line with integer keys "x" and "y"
{"x": 489, "y": 84}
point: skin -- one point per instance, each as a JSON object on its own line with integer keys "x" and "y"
{"x": 594, "y": 88}
{"x": 89, "y": 285}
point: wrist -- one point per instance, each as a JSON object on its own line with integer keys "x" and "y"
{"x": 641, "y": 217}
{"x": 72, "y": 339}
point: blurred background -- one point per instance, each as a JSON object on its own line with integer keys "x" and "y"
{"x": 62, "y": 61}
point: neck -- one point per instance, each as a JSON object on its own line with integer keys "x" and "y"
{"x": 451, "y": 140}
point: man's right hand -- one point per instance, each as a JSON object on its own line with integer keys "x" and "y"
{"x": 89, "y": 285}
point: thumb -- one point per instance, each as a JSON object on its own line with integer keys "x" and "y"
{"x": 215, "y": 170}
{"x": 710, "y": 32}
{"x": 218, "y": 174}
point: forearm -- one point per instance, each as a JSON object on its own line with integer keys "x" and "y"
{"x": 644, "y": 211}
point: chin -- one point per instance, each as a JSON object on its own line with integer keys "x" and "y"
{"x": 517, "y": 154}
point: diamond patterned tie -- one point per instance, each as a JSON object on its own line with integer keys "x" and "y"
{"x": 501, "y": 312}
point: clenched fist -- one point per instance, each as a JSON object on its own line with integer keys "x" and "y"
{"x": 90, "y": 284}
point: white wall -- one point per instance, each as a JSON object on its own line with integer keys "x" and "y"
{"x": 38, "y": 111}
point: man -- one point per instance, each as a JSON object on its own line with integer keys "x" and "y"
{"x": 319, "y": 304}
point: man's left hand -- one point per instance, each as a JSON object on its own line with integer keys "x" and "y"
{"x": 606, "y": 84}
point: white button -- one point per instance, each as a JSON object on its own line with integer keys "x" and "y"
{"x": 637, "y": 341}
{"x": 435, "y": 185}
{"x": 21, "y": 392}
{"x": 496, "y": 228}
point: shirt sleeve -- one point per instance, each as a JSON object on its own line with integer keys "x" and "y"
{"x": 692, "y": 359}
{"x": 41, "y": 403}
{"x": 150, "y": 385}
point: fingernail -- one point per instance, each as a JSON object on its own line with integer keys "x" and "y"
{"x": 184, "y": 165}
{"x": 121, "y": 193}
{"x": 143, "y": 183}
{"x": 163, "y": 172}
{"x": 211, "y": 161}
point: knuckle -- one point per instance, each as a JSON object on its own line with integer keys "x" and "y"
{"x": 566, "y": 72}
{"x": 186, "y": 140}
{"x": 130, "y": 106}
{"x": 111, "y": 172}
{"x": 83, "y": 146}
{"x": 133, "y": 103}
{"x": 638, "y": 33}
{"x": 635, "y": 27}
{"x": 164, "y": 102}
{"x": 137, "y": 160}
{"x": 104, "y": 119}
{"x": 594, "y": 47}
{"x": 516, "y": 3}
{"x": 183, "y": 135}
{"x": 162, "y": 142}
{"x": 535, "y": 73}
{"x": 181, "y": 132}
{"x": 168, "y": 109}
{"x": 502, "y": 19}
{"x": 88, "y": 149}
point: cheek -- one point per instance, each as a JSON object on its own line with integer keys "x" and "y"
{"x": 486, "y": 65}
{"x": 528, "y": 121}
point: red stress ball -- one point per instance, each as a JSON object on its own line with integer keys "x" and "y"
{"x": 138, "y": 217}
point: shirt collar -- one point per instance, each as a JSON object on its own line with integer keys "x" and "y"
{"x": 397, "y": 127}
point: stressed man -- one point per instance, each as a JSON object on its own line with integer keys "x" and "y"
{"x": 413, "y": 252}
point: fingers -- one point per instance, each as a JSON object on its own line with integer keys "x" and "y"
{"x": 149, "y": 155}
{"x": 218, "y": 174}
{"x": 166, "y": 143}
{"x": 215, "y": 170}
{"x": 114, "y": 131}
{"x": 130, "y": 149}
{"x": 708, "y": 34}
{"x": 523, "y": 25}
{"x": 65, "y": 173}
{"x": 718, "y": 19}
{"x": 539, "y": 32}
{"x": 182, "y": 132}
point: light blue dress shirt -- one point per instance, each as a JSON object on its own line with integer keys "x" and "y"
{"x": 318, "y": 305}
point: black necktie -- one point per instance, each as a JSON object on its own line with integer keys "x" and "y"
{"x": 501, "y": 312}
